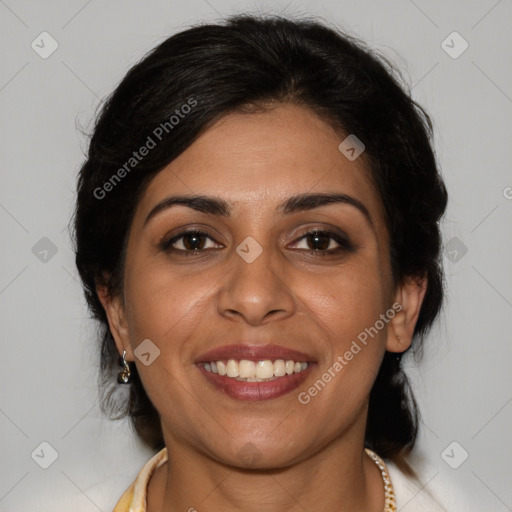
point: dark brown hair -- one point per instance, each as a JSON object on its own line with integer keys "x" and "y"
{"x": 245, "y": 63}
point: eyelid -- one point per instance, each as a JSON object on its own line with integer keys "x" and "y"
{"x": 339, "y": 237}
{"x": 331, "y": 230}
{"x": 167, "y": 241}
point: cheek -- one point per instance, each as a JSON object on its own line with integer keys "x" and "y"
{"x": 349, "y": 307}
{"x": 159, "y": 303}
{"x": 166, "y": 309}
{"x": 350, "y": 299}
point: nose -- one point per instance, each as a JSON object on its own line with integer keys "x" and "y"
{"x": 256, "y": 290}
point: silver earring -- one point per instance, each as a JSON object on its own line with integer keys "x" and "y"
{"x": 124, "y": 376}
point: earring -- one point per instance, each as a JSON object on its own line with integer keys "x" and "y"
{"x": 400, "y": 340}
{"x": 124, "y": 376}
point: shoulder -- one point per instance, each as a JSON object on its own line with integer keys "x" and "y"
{"x": 432, "y": 492}
{"x": 120, "y": 493}
{"x": 412, "y": 495}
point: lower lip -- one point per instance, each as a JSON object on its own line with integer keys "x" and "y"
{"x": 241, "y": 390}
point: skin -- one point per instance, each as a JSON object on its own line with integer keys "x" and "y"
{"x": 310, "y": 457}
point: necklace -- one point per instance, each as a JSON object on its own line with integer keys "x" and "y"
{"x": 389, "y": 493}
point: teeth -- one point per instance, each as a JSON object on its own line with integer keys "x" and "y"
{"x": 280, "y": 368}
{"x": 221, "y": 367}
{"x": 264, "y": 369}
{"x": 232, "y": 368}
{"x": 250, "y": 371}
{"x": 247, "y": 369}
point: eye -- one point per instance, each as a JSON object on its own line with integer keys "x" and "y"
{"x": 320, "y": 242}
{"x": 188, "y": 243}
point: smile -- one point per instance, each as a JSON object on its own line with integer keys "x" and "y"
{"x": 245, "y": 370}
{"x": 254, "y": 372}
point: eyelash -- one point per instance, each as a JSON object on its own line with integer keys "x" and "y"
{"x": 344, "y": 243}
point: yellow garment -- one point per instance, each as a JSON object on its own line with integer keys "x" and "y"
{"x": 134, "y": 498}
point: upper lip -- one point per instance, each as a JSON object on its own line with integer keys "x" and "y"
{"x": 253, "y": 353}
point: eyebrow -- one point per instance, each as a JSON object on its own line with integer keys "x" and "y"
{"x": 220, "y": 207}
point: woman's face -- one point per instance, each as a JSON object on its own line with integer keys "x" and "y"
{"x": 255, "y": 287}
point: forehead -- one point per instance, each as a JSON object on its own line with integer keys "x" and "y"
{"x": 268, "y": 156}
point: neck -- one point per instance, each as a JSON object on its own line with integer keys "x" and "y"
{"x": 340, "y": 477}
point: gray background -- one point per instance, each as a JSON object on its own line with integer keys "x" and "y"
{"x": 48, "y": 352}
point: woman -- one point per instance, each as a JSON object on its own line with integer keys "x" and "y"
{"x": 257, "y": 232}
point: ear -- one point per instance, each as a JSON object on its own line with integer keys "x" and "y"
{"x": 114, "y": 309}
{"x": 408, "y": 300}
